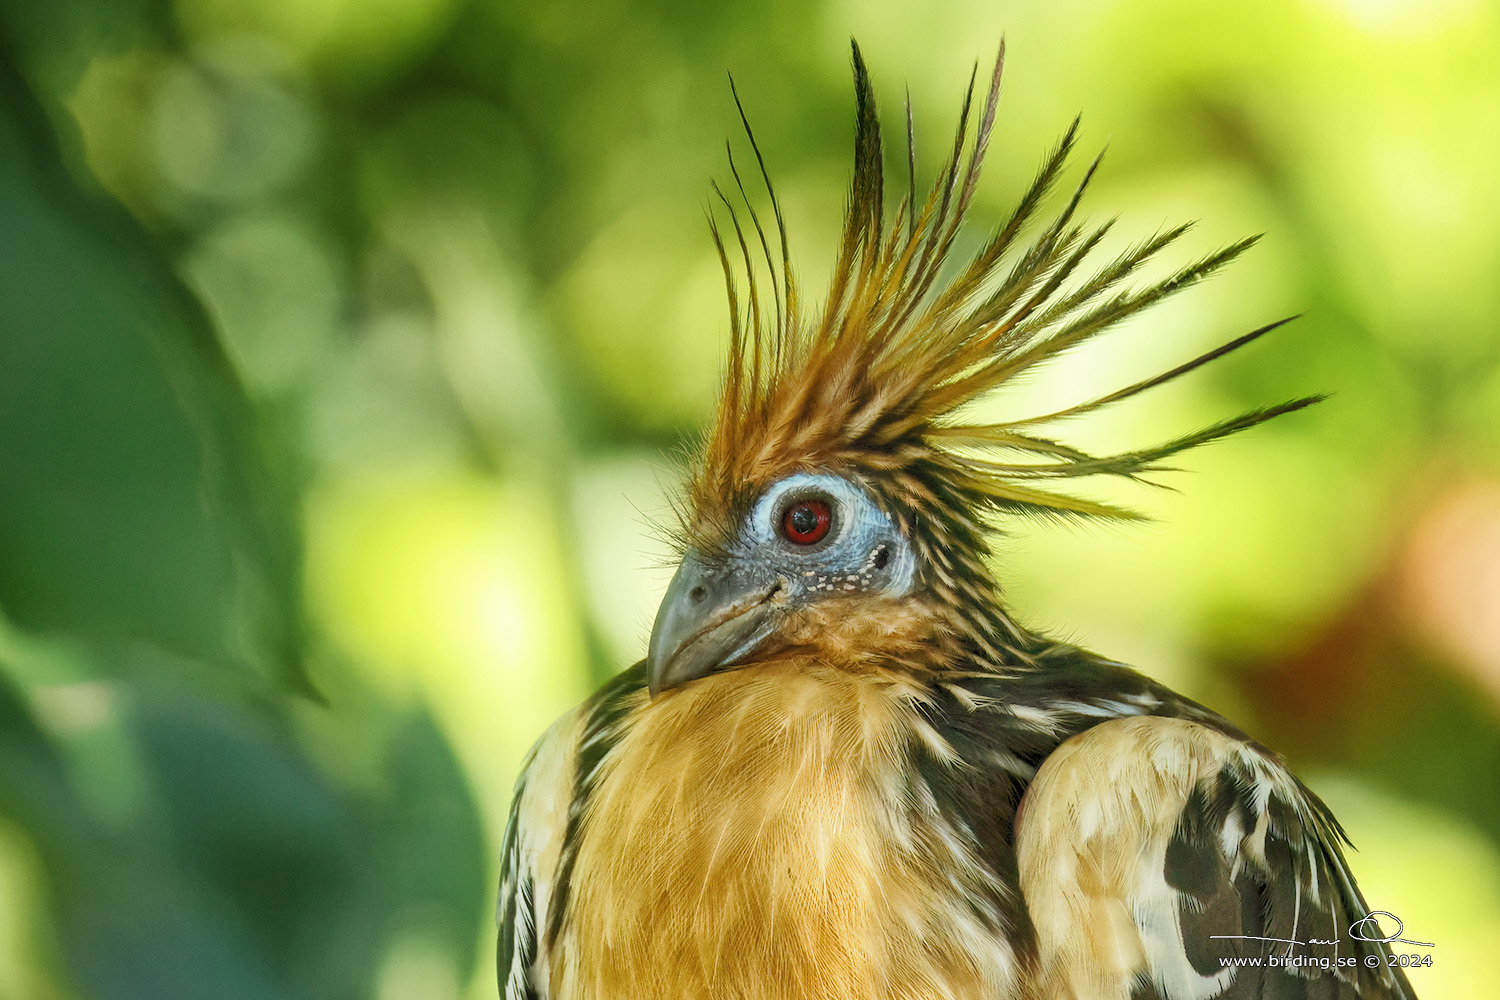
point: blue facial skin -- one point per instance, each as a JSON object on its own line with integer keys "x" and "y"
{"x": 721, "y": 609}
{"x": 863, "y": 551}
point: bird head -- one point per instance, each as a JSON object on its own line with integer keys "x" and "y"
{"x": 839, "y": 506}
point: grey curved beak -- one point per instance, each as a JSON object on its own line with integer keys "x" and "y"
{"x": 711, "y": 617}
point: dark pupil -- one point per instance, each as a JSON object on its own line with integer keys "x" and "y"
{"x": 804, "y": 520}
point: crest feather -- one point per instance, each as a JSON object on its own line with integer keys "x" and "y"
{"x": 873, "y": 383}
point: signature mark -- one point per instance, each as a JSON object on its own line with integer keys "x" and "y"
{"x": 1366, "y": 928}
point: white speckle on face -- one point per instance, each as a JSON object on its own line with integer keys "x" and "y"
{"x": 863, "y": 535}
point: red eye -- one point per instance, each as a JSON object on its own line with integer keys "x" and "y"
{"x": 806, "y": 521}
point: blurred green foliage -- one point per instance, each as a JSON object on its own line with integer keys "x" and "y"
{"x": 345, "y": 349}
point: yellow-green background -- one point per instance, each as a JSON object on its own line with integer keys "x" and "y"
{"x": 347, "y": 349}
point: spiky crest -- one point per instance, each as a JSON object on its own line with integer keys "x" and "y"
{"x": 871, "y": 386}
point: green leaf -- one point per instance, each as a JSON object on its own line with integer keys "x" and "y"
{"x": 133, "y": 501}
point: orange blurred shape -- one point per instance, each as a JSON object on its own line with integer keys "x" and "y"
{"x": 1450, "y": 578}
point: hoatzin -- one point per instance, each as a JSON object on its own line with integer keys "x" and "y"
{"x": 843, "y": 769}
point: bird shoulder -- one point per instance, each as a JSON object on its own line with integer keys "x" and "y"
{"x": 534, "y": 838}
{"x": 1158, "y": 854}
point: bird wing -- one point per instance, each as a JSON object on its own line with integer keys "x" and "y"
{"x": 1161, "y": 858}
{"x": 534, "y": 838}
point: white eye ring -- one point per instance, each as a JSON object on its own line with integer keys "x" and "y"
{"x": 856, "y": 522}
{"x": 846, "y": 503}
